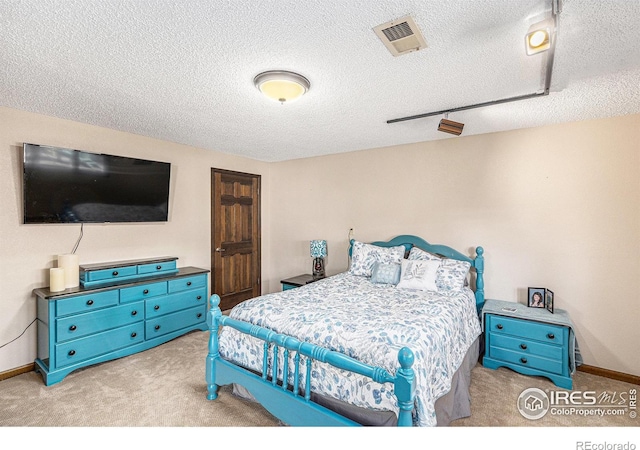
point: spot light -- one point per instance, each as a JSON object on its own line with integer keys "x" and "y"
{"x": 449, "y": 126}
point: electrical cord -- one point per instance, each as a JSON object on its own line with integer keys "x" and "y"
{"x": 75, "y": 247}
{"x": 25, "y": 330}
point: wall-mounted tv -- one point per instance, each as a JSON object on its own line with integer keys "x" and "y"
{"x": 62, "y": 185}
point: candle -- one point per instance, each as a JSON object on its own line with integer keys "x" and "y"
{"x": 56, "y": 279}
{"x": 70, "y": 264}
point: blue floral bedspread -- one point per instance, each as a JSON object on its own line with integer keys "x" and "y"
{"x": 371, "y": 323}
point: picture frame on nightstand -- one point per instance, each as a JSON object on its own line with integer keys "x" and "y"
{"x": 548, "y": 300}
{"x": 536, "y": 297}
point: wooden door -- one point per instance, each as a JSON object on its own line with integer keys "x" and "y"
{"x": 235, "y": 236}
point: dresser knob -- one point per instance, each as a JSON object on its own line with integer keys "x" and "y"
{"x": 134, "y": 334}
{"x": 199, "y": 297}
{"x": 157, "y": 327}
{"x": 157, "y": 307}
{"x": 188, "y": 283}
{"x": 72, "y": 328}
{"x": 158, "y": 267}
{"x": 499, "y": 326}
{"x": 551, "y": 336}
{"x": 71, "y": 352}
{"x": 199, "y": 315}
{"x": 134, "y": 313}
{"x": 523, "y": 346}
{"x": 145, "y": 292}
{"x": 523, "y": 360}
{"x": 89, "y": 302}
{"x": 115, "y": 273}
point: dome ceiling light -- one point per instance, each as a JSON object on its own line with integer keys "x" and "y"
{"x": 281, "y": 85}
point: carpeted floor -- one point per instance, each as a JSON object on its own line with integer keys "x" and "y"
{"x": 165, "y": 387}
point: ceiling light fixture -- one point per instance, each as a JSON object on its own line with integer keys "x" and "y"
{"x": 449, "y": 126}
{"x": 538, "y": 38}
{"x": 281, "y": 85}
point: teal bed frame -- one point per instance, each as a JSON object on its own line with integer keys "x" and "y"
{"x": 291, "y": 403}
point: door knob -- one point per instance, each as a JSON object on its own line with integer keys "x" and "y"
{"x": 220, "y": 250}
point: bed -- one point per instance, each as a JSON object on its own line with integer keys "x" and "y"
{"x": 391, "y": 341}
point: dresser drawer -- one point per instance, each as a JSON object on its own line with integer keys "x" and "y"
{"x": 142, "y": 291}
{"x": 173, "y": 322}
{"x": 155, "y": 307}
{"x": 525, "y": 360}
{"x": 543, "y": 332}
{"x": 85, "y": 303}
{"x": 184, "y": 283}
{"x": 524, "y": 346}
{"x": 78, "y": 350}
{"x": 110, "y": 274}
{"x": 157, "y": 267}
{"x": 74, "y": 327}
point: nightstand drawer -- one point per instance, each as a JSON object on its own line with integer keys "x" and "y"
{"x": 526, "y": 360}
{"x": 543, "y": 332}
{"x": 524, "y": 346}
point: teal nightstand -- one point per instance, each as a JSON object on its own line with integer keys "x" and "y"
{"x": 531, "y": 341}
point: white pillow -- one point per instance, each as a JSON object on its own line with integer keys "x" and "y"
{"x": 419, "y": 275}
{"x": 364, "y": 256}
{"x": 422, "y": 255}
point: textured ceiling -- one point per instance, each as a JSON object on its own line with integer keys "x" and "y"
{"x": 183, "y": 71}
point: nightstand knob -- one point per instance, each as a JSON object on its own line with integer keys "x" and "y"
{"x": 523, "y": 360}
{"x": 499, "y": 326}
{"x": 551, "y": 336}
{"x": 523, "y": 346}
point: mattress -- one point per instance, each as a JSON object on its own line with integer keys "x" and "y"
{"x": 369, "y": 322}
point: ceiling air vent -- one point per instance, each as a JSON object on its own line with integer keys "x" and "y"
{"x": 401, "y": 36}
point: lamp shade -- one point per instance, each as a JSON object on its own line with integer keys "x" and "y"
{"x": 318, "y": 248}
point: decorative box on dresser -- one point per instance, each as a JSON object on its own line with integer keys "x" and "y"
{"x": 114, "y": 317}
{"x": 531, "y": 341}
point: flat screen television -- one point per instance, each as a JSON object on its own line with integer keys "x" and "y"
{"x": 62, "y": 185}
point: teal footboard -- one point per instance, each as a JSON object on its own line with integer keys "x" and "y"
{"x": 291, "y": 402}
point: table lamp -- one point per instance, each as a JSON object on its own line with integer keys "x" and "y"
{"x": 318, "y": 253}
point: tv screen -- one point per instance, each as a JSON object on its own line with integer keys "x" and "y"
{"x": 63, "y": 185}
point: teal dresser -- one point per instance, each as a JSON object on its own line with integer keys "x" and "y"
{"x": 531, "y": 341}
{"x": 82, "y": 326}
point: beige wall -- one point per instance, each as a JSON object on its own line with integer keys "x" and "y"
{"x": 555, "y": 207}
{"x": 27, "y": 251}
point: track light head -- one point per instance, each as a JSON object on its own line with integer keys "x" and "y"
{"x": 451, "y": 127}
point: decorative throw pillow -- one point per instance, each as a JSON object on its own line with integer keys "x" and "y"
{"x": 364, "y": 256}
{"x": 385, "y": 273}
{"x": 452, "y": 275}
{"x": 421, "y": 255}
{"x": 419, "y": 275}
